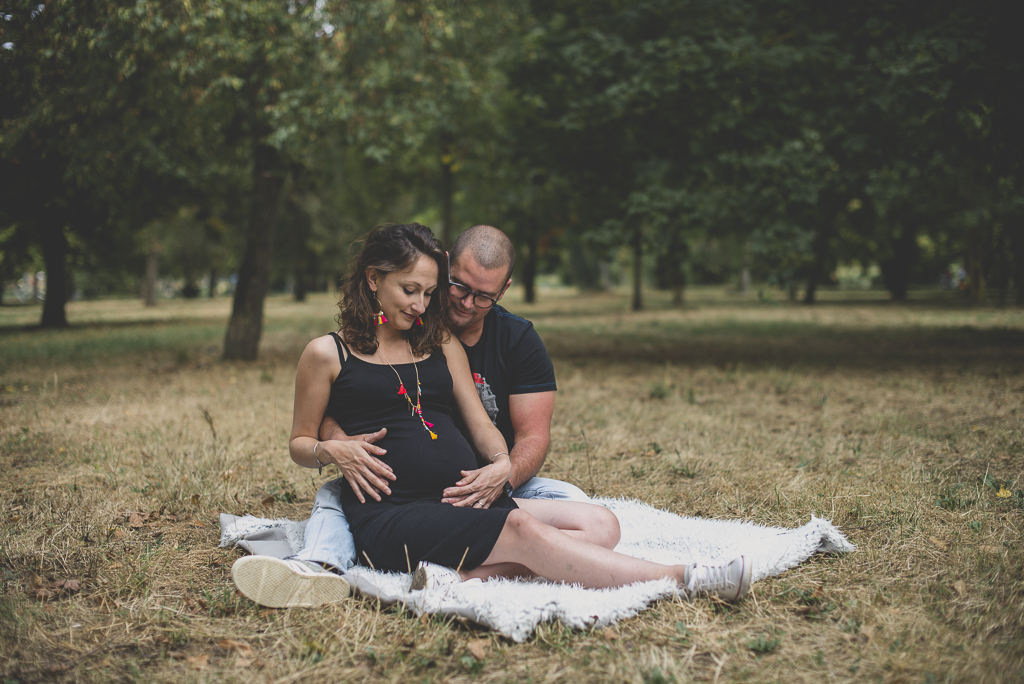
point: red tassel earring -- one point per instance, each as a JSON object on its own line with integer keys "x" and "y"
{"x": 419, "y": 321}
{"x": 379, "y": 318}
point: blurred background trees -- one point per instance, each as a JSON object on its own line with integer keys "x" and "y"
{"x": 240, "y": 147}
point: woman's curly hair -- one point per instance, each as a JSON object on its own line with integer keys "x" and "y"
{"x": 390, "y": 248}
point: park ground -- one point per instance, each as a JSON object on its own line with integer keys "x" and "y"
{"x": 123, "y": 437}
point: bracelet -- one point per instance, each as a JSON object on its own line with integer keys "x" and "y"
{"x": 501, "y": 453}
{"x": 321, "y": 471}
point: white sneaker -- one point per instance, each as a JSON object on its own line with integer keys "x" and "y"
{"x": 277, "y": 583}
{"x": 432, "y": 576}
{"x": 729, "y": 582}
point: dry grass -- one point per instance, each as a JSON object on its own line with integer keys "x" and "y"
{"x": 900, "y": 423}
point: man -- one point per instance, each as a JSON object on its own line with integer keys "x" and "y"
{"x": 516, "y": 383}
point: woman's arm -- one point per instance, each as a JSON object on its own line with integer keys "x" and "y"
{"x": 484, "y": 436}
{"x": 318, "y": 367}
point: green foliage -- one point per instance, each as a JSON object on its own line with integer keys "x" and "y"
{"x": 783, "y": 137}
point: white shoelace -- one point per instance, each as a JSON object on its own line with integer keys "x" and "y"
{"x": 708, "y": 577}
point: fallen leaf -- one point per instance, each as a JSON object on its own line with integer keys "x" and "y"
{"x": 195, "y": 499}
{"x": 478, "y": 647}
{"x": 119, "y": 533}
{"x": 1003, "y": 492}
{"x": 610, "y": 634}
{"x": 990, "y": 549}
{"x": 960, "y": 586}
{"x": 175, "y": 655}
{"x": 242, "y": 648}
{"x": 939, "y": 544}
{"x": 114, "y": 566}
{"x": 269, "y": 501}
{"x": 72, "y": 585}
{"x": 43, "y": 593}
{"x": 14, "y": 519}
{"x": 868, "y": 632}
{"x": 197, "y": 523}
{"x": 200, "y": 662}
{"x": 105, "y": 662}
{"x": 135, "y": 520}
{"x": 50, "y": 608}
{"x": 53, "y": 668}
{"x": 241, "y": 662}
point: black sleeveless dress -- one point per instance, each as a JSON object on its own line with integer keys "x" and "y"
{"x": 364, "y": 398}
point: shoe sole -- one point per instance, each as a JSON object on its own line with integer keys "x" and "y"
{"x": 748, "y": 569}
{"x": 271, "y": 583}
{"x": 419, "y": 579}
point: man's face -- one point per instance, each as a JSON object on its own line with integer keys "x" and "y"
{"x": 491, "y": 282}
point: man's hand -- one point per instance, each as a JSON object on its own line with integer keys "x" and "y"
{"x": 479, "y": 488}
{"x": 356, "y": 458}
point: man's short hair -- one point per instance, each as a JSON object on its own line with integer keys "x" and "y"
{"x": 489, "y": 246}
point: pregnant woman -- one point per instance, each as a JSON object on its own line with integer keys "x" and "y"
{"x": 393, "y": 365}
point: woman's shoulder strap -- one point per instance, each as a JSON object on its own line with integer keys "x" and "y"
{"x": 343, "y": 351}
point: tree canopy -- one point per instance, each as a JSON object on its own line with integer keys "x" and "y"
{"x": 259, "y": 138}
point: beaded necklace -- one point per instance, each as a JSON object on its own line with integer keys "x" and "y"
{"x": 415, "y": 409}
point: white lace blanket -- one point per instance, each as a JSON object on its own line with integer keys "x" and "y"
{"x": 515, "y": 607}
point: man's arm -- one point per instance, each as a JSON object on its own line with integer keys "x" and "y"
{"x": 531, "y": 422}
{"x": 359, "y": 465}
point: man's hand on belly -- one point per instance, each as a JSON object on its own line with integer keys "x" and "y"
{"x": 478, "y": 488}
{"x": 356, "y": 458}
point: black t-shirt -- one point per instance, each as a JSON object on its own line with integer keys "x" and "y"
{"x": 509, "y": 358}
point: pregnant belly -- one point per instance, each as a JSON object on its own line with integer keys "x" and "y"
{"x": 423, "y": 471}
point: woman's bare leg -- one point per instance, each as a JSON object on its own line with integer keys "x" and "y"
{"x": 556, "y": 555}
{"x": 584, "y": 521}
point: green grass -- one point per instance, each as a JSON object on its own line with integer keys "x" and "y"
{"x": 901, "y": 423}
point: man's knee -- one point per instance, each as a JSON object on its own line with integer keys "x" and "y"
{"x": 547, "y": 488}
{"x": 329, "y": 495}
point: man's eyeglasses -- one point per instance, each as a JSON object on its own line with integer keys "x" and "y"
{"x": 459, "y": 291}
{"x": 481, "y": 301}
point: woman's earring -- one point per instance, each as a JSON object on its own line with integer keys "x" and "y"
{"x": 419, "y": 321}
{"x": 379, "y": 318}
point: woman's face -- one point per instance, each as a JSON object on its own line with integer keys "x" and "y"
{"x": 404, "y": 295}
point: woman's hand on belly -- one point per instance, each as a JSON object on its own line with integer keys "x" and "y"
{"x": 479, "y": 488}
{"x": 363, "y": 471}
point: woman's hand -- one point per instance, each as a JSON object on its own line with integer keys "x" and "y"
{"x": 356, "y": 459}
{"x": 479, "y": 488}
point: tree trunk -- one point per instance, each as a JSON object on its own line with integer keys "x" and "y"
{"x": 530, "y": 270}
{"x": 55, "y": 257}
{"x": 975, "y": 266}
{"x": 152, "y": 275}
{"x": 896, "y": 270}
{"x": 212, "y": 290}
{"x": 821, "y": 240}
{"x": 299, "y": 293}
{"x": 447, "y": 191}
{"x": 679, "y": 254}
{"x": 638, "y": 268}
{"x": 1003, "y": 264}
{"x": 1017, "y": 260}
{"x": 245, "y": 327}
